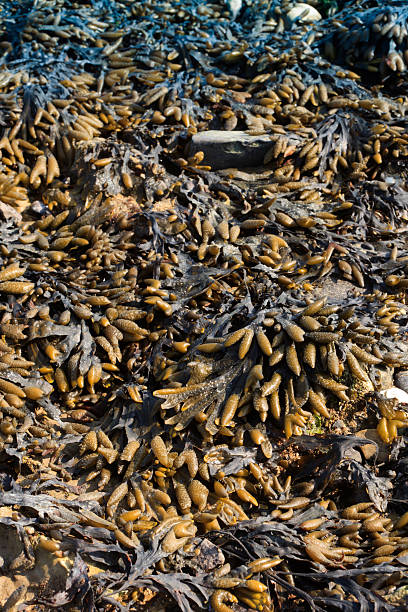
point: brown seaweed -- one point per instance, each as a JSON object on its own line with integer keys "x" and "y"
{"x": 193, "y": 360}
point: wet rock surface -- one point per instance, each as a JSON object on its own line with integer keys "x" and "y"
{"x": 234, "y": 149}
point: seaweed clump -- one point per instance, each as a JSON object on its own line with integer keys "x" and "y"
{"x": 195, "y": 363}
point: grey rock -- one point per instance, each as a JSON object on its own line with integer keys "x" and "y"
{"x": 337, "y": 290}
{"x": 229, "y": 149}
{"x": 209, "y": 556}
{"x": 352, "y": 453}
{"x": 383, "y": 376}
{"x": 401, "y": 380}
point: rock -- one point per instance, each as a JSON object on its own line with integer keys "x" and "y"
{"x": 209, "y": 556}
{"x": 369, "y": 450}
{"x": 340, "y": 427}
{"x": 396, "y": 393}
{"x": 309, "y": 13}
{"x": 401, "y": 380}
{"x": 229, "y": 149}
{"x": 383, "y": 377}
{"x": 352, "y": 453}
{"x": 234, "y": 6}
{"x": 338, "y": 290}
{"x": 403, "y": 465}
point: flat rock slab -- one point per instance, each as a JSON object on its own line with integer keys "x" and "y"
{"x": 228, "y": 149}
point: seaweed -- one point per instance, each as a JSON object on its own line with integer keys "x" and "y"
{"x": 193, "y": 361}
{"x": 78, "y": 589}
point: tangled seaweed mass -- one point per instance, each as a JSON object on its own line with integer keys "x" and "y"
{"x": 194, "y": 355}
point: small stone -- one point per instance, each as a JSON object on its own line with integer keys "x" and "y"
{"x": 401, "y": 380}
{"x": 229, "y": 149}
{"x": 234, "y": 6}
{"x": 396, "y": 393}
{"x": 209, "y": 556}
{"x": 340, "y": 426}
{"x": 352, "y": 453}
{"x": 383, "y": 377}
{"x": 369, "y": 450}
{"x": 309, "y": 13}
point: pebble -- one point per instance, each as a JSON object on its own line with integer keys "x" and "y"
{"x": 234, "y": 6}
{"x": 397, "y": 393}
{"x": 209, "y": 556}
{"x": 369, "y": 450}
{"x": 309, "y": 13}
{"x": 401, "y": 380}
